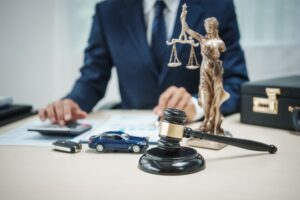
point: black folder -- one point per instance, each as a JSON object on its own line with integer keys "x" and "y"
{"x": 15, "y": 112}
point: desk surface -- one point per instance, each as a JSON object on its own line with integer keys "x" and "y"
{"x": 231, "y": 173}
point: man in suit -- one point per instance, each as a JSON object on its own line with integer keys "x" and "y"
{"x": 131, "y": 35}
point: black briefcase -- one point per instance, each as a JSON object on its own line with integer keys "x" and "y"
{"x": 274, "y": 102}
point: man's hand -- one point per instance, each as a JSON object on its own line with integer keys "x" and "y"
{"x": 178, "y": 98}
{"x": 62, "y": 111}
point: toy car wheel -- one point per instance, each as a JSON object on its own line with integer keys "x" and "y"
{"x": 136, "y": 148}
{"x": 99, "y": 148}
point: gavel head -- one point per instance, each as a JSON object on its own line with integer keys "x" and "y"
{"x": 171, "y": 130}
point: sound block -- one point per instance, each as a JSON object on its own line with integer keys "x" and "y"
{"x": 195, "y": 142}
{"x": 165, "y": 162}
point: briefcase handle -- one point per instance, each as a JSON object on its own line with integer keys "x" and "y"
{"x": 295, "y": 111}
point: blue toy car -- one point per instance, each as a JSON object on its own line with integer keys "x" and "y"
{"x": 118, "y": 141}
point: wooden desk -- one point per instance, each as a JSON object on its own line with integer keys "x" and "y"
{"x": 232, "y": 173}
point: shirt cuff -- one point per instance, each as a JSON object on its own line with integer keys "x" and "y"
{"x": 198, "y": 108}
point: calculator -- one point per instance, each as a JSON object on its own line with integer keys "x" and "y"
{"x": 70, "y": 129}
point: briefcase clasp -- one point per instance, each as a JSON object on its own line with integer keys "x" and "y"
{"x": 267, "y": 105}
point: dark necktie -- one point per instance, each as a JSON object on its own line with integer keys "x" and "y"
{"x": 159, "y": 34}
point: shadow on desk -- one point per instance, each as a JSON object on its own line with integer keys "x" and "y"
{"x": 93, "y": 151}
{"x": 236, "y": 157}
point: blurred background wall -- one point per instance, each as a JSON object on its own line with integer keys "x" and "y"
{"x": 42, "y": 43}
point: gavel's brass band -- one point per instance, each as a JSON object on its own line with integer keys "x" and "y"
{"x": 171, "y": 130}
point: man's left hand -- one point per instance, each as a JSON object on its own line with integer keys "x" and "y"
{"x": 178, "y": 98}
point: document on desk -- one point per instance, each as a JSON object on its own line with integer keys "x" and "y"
{"x": 21, "y": 137}
{"x": 136, "y": 125}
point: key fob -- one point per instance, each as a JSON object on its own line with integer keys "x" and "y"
{"x": 67, "y": 146}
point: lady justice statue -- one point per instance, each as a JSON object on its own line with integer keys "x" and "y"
{"x": 211, "y": 91}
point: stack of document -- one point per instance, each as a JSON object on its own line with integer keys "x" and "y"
{"x": 136, "y": 125}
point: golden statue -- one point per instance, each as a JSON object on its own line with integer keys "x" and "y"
{"x": 211, "y": 91}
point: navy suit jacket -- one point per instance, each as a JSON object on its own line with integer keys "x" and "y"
{"x": 118, "y": 38}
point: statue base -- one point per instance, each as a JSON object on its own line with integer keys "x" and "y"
{"x": 195, "y": 142}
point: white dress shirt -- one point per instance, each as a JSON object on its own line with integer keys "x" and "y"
{"x": 170, "y": 14}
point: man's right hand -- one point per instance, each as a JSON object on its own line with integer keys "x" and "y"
{"x": 62, "y": 111}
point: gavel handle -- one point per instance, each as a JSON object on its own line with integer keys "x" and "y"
{"x": 242, "y": 143}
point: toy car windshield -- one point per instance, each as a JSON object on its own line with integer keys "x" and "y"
{"x": 125, "y": 136}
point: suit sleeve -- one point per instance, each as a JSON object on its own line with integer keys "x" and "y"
{"x": 96, "y": 72}
{"x": 235, "y": 72}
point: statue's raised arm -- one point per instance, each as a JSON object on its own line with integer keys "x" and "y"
{"x": 185, "y": 30}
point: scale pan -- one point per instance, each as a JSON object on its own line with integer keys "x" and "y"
{"x": 174, "y": 64}
{"x": 192, "y": 66}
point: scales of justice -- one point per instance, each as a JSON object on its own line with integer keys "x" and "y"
{"x": 211, "y": 91}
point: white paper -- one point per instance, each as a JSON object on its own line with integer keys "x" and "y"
{"x": 21, "y": 137}
{"x": 136, "y": 125}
